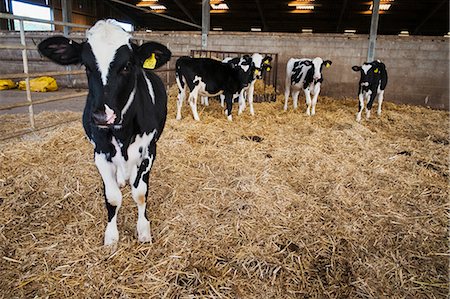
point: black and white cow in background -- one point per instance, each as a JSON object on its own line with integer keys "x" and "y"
{"x": 304, "y": 74}
{"x": 125, "y": 111}
{"x": 373, "y": 81}
{"x": 259, "y": 65}
{"x": 208, "y": 77}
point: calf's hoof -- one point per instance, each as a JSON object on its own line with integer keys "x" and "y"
{"x": 143, "y": 230}
{"x": 111, "y": 235}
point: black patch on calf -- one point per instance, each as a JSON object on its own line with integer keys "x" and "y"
{"x": 141, "y": 170}
{"x": 300, "y": 67}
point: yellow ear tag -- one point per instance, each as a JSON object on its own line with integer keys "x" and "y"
{"x": 268, "y": 68}
{"x": 266, "y": 62}
{"x": 375, "y": 71}
{"x": 256, "y": 72}
{"x": 327, "y": 65}
{"x": 150, "y": 62}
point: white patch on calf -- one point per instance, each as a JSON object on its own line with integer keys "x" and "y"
{"x": 257, "y": 60}
{"x": 317, "y": 62}
{"x": 110, "y": 115}
{"x": 128, "y": 104}
{"x": 111, "y": 232}
{"x": 201, "y": 88}
{"x": 124, "y": 167}
{"x": 105, "y": 37}
{"x": 108, "y": 172}
{"x": 150, "y": 87}
{"x": 366, "y": 68}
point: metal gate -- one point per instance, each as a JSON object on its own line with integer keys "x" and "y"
{"x": 269, "y": 78}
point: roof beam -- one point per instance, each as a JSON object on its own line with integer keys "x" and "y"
{"x": 341, "y": 16}
{"x": 435, "y": 10}
{"x": 120, "y": 12}
{"x": 185, "y": 10}
{"x": 261, "y": 15}
{"x": 157, "y": 14}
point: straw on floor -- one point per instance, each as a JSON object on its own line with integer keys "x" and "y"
{"x": 279, "y": 205}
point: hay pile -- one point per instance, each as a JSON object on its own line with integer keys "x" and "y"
{"x": 280, "y": 205}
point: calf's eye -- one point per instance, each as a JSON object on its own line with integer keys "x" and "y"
{"x": 126, "y": 68}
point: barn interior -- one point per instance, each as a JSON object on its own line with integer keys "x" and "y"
{"x": 276, "y": 205}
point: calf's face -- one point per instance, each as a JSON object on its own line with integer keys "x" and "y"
{"x": 318, "y": 64}
{"x": 369, "y": 73}
{"x": 261, "y": 64}
{"x": 112, "y": 65}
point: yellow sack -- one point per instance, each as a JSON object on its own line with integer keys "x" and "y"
{"x": 41, "y": 84}
{"x": 7, "y": 84}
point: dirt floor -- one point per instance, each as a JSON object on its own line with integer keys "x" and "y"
{"x": 279, "y": 205}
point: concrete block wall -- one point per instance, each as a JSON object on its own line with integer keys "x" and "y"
{"x": 418, "y": 67}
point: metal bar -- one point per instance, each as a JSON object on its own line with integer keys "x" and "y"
{"x": 341, "y": 16}
{"x": 435, "y": 10}
{"x": 157, "y": 14}
{"x": 66, "y": 7}
{"x": 61, "y": 73}
{"x": 16, "y": 47}
{"x": 27, "y": 77}
{"x": 373, "y": 31}
{"x": 261, "y": 14}
{"x": 22, "y": 75}
{"x": 14, "y": 17}
{"x": 120, "y": 12}
{"x": 43, "y": 101}
{"x": 185, "y": 10}
{"x": 205, "y": 23}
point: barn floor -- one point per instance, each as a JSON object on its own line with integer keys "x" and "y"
{"x": 280, "y": 205}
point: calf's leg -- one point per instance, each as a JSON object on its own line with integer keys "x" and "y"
{"x": 314, "y": 99}
{"x": 139, "y": 191}
{"x": 181, "y": 97}
{"x": 251, "y": 91}
{"x": 380, "y": 101}
{"x": 360, "y": 107}
{"x": 308, "y": 100}
{"x": 371, "y": 98}
{"x": 113, "y": 196}
{"x": 229, "y": 102}
{"x": 193, "y": 102}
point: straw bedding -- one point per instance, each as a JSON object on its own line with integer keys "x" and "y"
{"x": 279, "y": 205}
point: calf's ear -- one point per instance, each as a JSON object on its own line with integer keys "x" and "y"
{"x": 153, "y": 55}
{"x": 61, "y": 50}
{"x": 356, "y": 68}
{"x": 267, "y": 60}
{"x": 327, "y": 63}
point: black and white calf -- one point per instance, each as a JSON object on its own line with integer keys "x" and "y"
{"x": 125, "y": 111}
{"x": 373, "y": 81}
{"x": 259, "y": 65}
{"x": 208, "y": 77}
{"x": 304, "y": 74}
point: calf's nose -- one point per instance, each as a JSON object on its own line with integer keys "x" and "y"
{"x": 104, "y": 117}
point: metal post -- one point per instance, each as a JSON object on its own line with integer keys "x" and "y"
{"x": 205, "y": 23}
{"x": 25, "y": 70}
{"x": 373, "y": 31}
{"x": 66, "y": 6}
